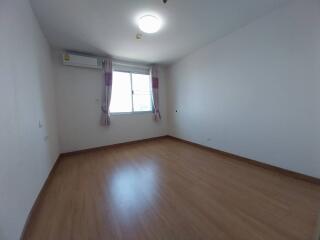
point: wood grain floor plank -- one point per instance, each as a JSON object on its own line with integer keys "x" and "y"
{"x": 167, "y": 189}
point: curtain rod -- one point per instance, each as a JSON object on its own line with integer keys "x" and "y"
{"x": 129, "y": 64}
{"x": 115, "y": 61}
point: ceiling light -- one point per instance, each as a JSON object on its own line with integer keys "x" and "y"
{"x": 149, "y": 24}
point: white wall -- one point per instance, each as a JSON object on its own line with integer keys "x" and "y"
{"x": 255, "y": 92}
{"x": 79, "y": 102}
{"x": 26, "y": 96}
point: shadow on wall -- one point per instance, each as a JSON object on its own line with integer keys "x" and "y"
{"x": 1, "y": 234}
{"x": 46, "y": 115}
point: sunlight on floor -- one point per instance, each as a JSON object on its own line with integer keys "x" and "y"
{"x": 134, "y": 189}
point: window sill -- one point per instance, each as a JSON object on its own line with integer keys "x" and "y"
{"x": 129, "y": 113}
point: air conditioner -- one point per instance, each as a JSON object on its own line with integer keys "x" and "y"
{"x": 77, "y": 60}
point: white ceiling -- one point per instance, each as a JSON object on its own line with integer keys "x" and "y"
{"x": 107, "y": 27}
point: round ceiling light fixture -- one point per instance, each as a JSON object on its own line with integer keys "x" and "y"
{"x": 149, "y": 24}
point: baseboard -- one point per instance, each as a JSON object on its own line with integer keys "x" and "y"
{"x": 38, "y": 199}
{"x": 286, "y": 172}
{"x": 110, "y": 146}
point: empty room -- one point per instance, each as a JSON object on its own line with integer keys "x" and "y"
{"x": 160, "y": 119}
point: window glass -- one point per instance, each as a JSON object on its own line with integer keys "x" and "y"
{"x": 131, "y": 92}
{"x": 121, "y": 100}
{"x": 141, "y": 92}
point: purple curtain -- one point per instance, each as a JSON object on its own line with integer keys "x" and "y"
{"x": 155, "y": 93}
{"x": 107, "y": 90}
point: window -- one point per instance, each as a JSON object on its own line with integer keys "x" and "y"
{"x": 130, "y": 92}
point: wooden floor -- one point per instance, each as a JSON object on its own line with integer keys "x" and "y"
{"x": 166, "y": 189}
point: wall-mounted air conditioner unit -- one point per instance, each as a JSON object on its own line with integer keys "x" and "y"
{"x": 77, "y": 60}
